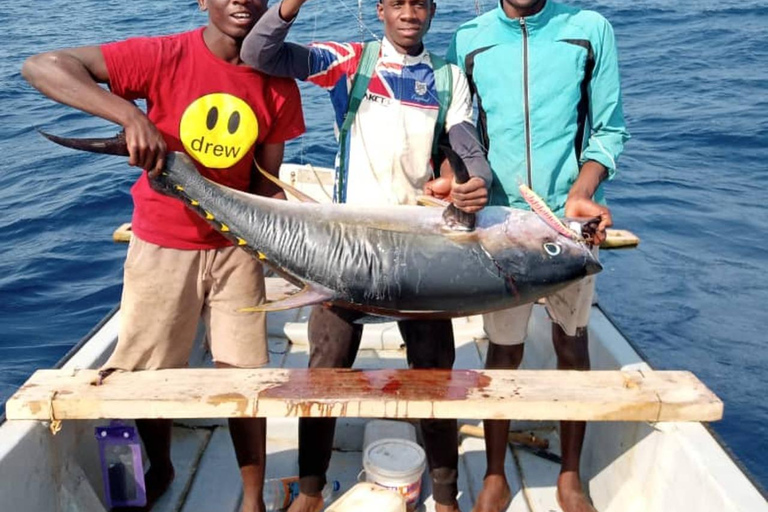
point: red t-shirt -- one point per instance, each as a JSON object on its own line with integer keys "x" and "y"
{"x": 214, "y": 111}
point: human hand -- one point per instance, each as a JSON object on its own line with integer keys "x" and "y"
{"x": 439, "y": 188}
{"x": 471, "y": 196}
{"x": 579, "y": 206}
{"x": 290, "y": 8}
{"x": 146, "y": 145}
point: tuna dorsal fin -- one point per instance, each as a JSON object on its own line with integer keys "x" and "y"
{"x": 301, "y": 196}
{"x": 307, "y": 296}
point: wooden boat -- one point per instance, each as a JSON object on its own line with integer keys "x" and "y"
{"x": 629, "y": 466}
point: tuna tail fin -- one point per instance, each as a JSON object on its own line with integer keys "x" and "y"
{"x": 110, "y": 146}
{"x": 301, "y": 196}
{"x": 454, "y": 218}
{"x": 308, "y": 296}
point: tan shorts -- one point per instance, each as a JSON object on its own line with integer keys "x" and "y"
{"x": 568, "y": 308}
{"x": 167, "y": 291}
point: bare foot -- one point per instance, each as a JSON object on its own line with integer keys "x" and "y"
{"x": 495, "y": 495}
{"x": 306, "y": 503}
{"x": 570, "y": 495}
{"x": 447, "y": 508}
{"x": 157, "y": 480}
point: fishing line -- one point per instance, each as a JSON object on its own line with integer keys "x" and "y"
{"x": 360, "y": 18}
{"x": 363, "y": 26}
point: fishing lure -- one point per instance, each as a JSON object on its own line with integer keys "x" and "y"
{"x": 541, "y": 209}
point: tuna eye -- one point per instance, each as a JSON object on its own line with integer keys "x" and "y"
{"x": 234, "y": 123}
{"x": 552, "y": 249}
{"x": 213, "y": 118}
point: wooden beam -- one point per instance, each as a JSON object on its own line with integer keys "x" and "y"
{"x": 123, "y": 233}
{"x": 494, "y": 394}
{"x": 619, "y": 239}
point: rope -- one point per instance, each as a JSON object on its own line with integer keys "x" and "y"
{"x": 55, "y": 426}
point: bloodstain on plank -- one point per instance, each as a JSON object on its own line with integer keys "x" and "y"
{"x": 346, "y": 385}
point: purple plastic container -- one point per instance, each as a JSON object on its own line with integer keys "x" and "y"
{"x": 121, "y": 465}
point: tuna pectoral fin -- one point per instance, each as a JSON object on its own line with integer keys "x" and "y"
{"x": 301, "y": 196}
{"x": 111, "y": 146}
{"x": 308, "y": 296}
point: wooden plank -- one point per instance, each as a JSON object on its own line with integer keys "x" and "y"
{"x": 391, "y": 393}
{"x": 123, "y": 234}
{"x": 620, "y": 239}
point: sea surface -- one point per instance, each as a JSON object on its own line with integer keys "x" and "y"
{"x": 693, "y": 184}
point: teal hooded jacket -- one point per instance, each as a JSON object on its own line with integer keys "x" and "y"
{"x": 548, "y": 97}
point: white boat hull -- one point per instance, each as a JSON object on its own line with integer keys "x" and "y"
{"x": 629, "y": 466}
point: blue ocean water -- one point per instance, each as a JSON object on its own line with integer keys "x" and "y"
{"x": 693, "y": 185}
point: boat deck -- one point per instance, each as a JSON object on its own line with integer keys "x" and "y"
{"x": 207, "y": 475}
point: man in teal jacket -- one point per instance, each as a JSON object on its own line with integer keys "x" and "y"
{"x": 546, "y": 80}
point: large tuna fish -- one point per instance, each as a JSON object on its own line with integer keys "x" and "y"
{"x": 397, "y": 261}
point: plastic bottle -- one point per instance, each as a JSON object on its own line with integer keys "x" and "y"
{"x": 280, "y": 492}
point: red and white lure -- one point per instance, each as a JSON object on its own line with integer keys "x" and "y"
{"x": 541, "y": 209}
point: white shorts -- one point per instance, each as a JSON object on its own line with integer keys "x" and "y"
{"x": 569, "y": 308}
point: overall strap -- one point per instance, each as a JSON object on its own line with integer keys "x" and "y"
{"x": 359, "y": 87}
{"x": 444, "y": 86}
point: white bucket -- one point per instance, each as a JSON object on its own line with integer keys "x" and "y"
{"x": 396, "y": 464}
{"x": 376, "y": 430}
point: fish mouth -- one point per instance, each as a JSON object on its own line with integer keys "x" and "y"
{"x": 592, "y": 265}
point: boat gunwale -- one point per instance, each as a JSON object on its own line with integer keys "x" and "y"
{"x": 77, "y": 346}
{"x": 740, "y": 465}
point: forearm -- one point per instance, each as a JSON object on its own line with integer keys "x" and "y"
{"x": 464, "y": 141}
{"x": 266, "y": 50}
{"x": 63, "y": 78}
{"x": 268, "y": 157}
{"x": 591, "y": 175}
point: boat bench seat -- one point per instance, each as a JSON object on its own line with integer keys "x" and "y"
{"x": 635, "y": 395}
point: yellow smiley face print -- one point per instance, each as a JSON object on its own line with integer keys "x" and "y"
{"x": 218, "y": 130}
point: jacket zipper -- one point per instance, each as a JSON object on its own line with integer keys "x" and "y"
{"x": 527, "y": 106}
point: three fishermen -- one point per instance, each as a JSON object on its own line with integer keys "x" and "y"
{"x": 551, "y": 117}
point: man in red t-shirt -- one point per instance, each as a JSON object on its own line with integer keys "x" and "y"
{"x": 202, "y": 100}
